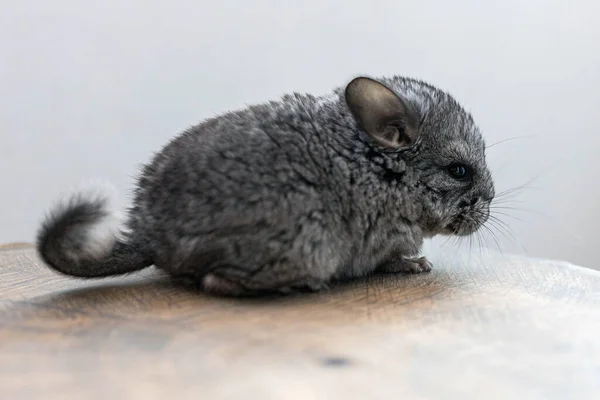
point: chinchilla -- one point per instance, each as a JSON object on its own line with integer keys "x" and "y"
{"x": 290, "y": 195}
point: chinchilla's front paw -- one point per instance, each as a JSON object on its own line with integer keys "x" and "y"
{"x": 406, "y": 265}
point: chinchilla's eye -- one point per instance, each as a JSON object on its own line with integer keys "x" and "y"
{"x": 459, "y": 171}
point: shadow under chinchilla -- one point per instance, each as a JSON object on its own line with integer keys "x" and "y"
{"x": 143, "y": 298}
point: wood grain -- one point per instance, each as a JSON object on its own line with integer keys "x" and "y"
{"x": 493, "y": 327}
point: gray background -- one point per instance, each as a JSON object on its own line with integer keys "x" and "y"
{"x": 92, "y": 89}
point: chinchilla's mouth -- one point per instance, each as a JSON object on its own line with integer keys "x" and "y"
{"x": 460, "y": 226}
{"x": 452, "y": 228}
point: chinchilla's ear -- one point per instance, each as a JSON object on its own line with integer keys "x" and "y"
{"x": 381, "y": 113}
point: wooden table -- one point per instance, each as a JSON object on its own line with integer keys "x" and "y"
{"x": 495, "y": 327}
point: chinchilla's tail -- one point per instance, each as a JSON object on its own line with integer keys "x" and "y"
{"x": 81, "y": 237}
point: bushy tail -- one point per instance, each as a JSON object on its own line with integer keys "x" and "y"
{"x": 80, "y": 237}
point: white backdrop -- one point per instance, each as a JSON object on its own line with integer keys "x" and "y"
{"x": 90, "y": 89}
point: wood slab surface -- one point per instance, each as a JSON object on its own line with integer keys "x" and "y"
{"x": 486, "y": 327}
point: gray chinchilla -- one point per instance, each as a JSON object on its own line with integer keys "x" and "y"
{"x": 290, "y": 194}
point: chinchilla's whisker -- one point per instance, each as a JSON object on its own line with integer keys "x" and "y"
{"x": 477, "y": 237}
{"x": 477, "y": 244}
{"x": 447, "y": 241}
{"x": 523, "y": 186}
{"x": 470, "y": 246}
{"x": 508, "y": 215}
{"x": 450, "y": 238}
{"x": 498, "y": 220}
{"x": 489, "y": 230}
{"x": 481, "y": 244}
{"x": 491, "y": 216}
{"x": 485, "y": 237}
{"x": 505, "y": 231}
{"x": 507, "y": 203}
{"x": 507, "y": 194}
{"x": 509, "y": 139}
{"x": 514, "y": 209}
{"x": 505, "y": 200}
{"x": 494, "y": 229}
{"x": 493, "y": 235}
{"x": 500, "y": 224}
{"x": 452, "y": 241}
{"x": 499, "y": 203}
{"x": 496, "y": 239}
{"x": 503, "y": 210}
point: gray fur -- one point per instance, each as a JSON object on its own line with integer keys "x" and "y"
{"x": 291, "y": 194}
